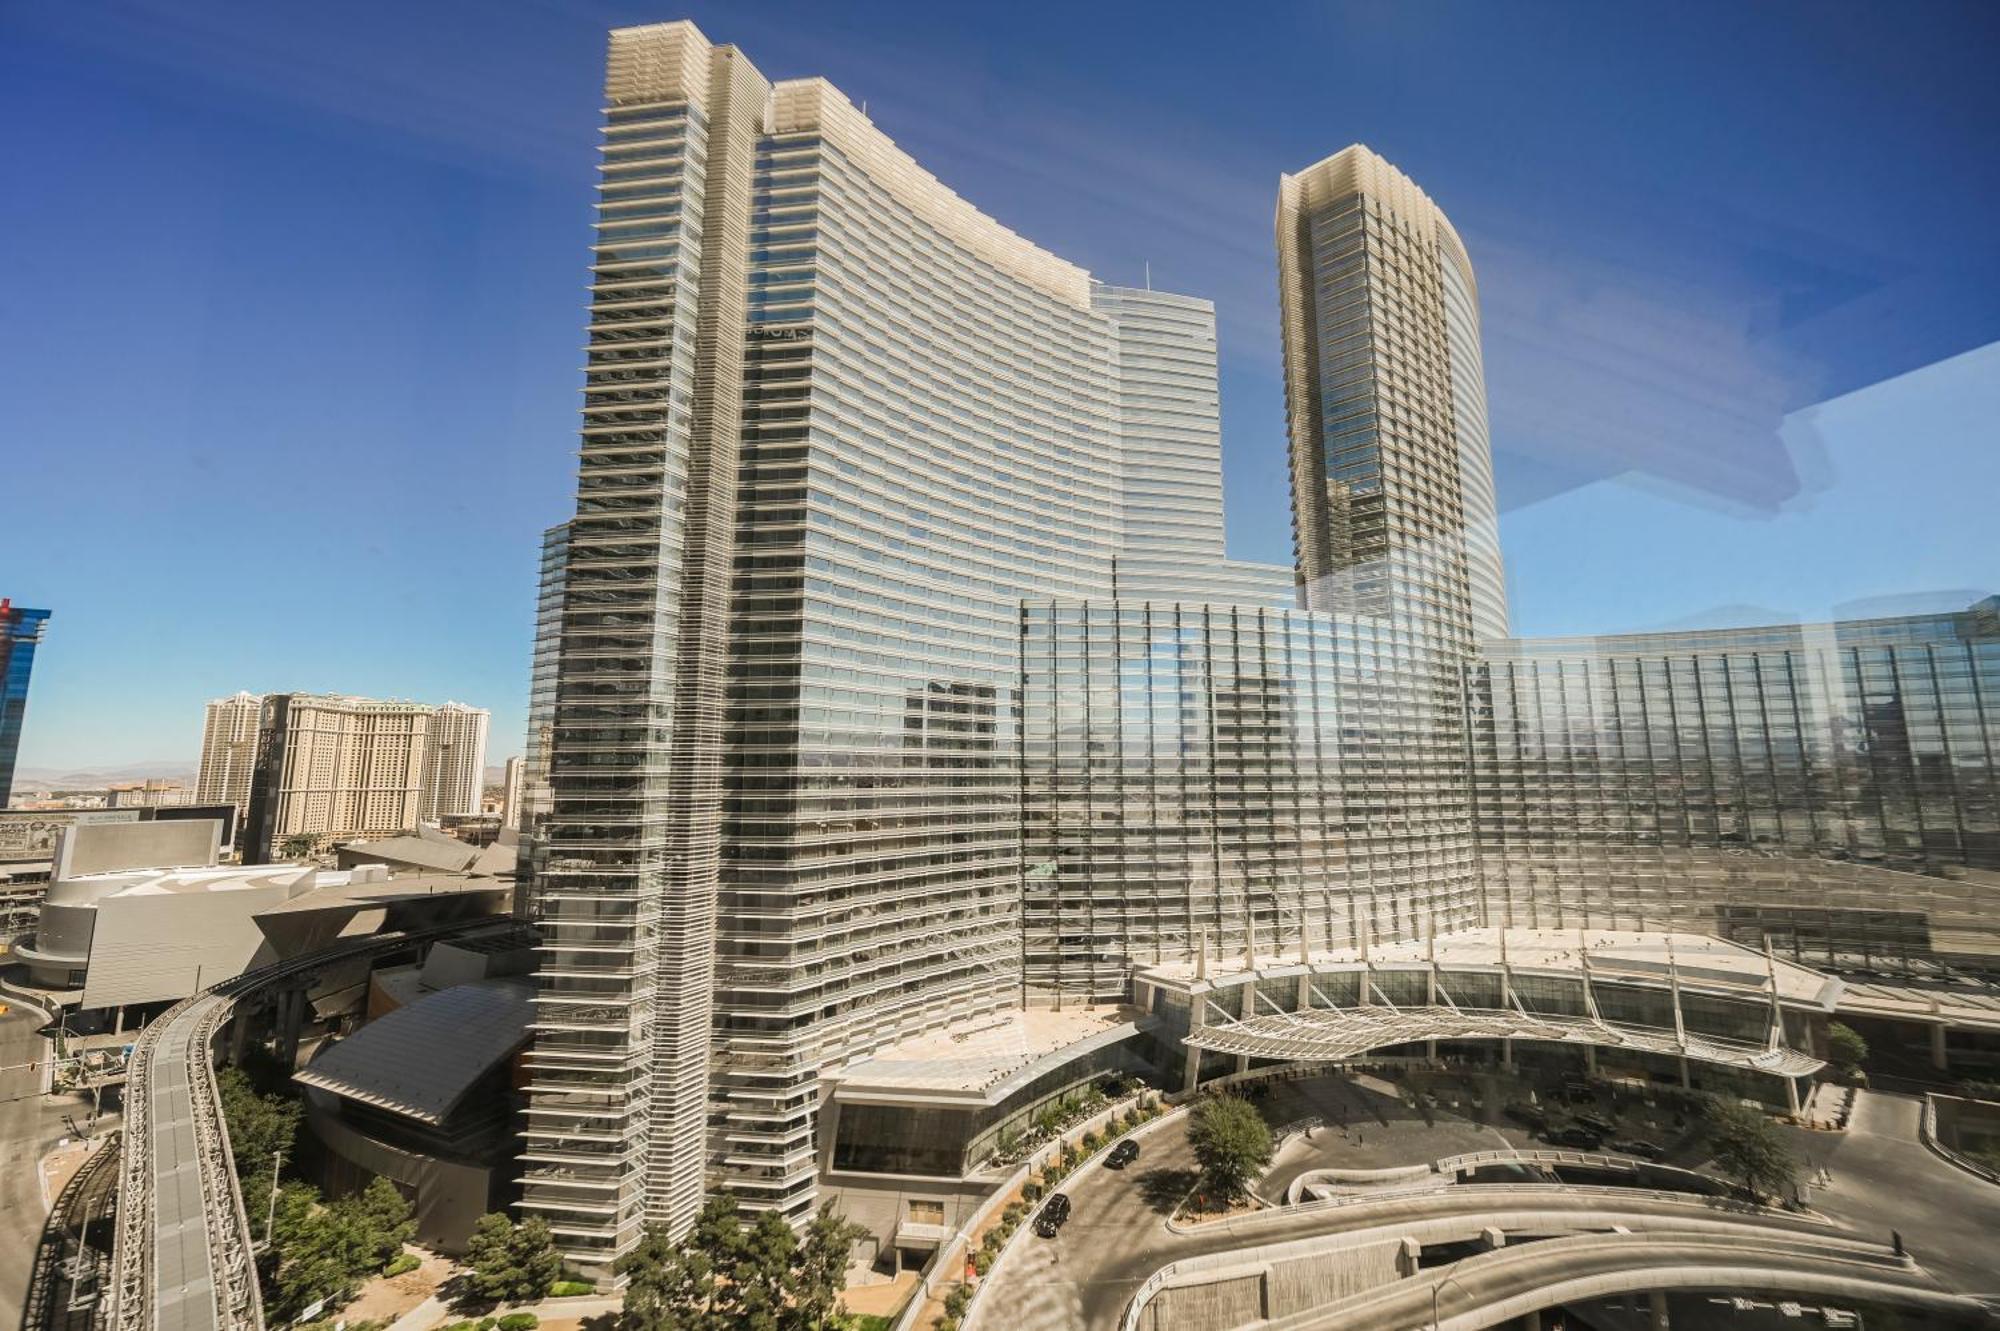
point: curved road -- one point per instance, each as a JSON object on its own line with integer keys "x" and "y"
{"x": 1082, "y": 1279}
{"x": 1494, "y": 1287}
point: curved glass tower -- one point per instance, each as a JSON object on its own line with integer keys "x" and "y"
{"x": 1392, "y": 468}
{"x": 1393, "y": 511}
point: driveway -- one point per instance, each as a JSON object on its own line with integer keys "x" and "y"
{"x": 1886, "y": 1181}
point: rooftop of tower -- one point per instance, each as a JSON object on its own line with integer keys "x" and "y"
{"x": 1359, "y": 169}
{"x": 669, "y": 62}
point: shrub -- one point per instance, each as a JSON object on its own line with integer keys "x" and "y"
{"x": 401, "y": 1263}
{"x": 1845, "y": 1047}
{"x": 956, "y": 1302}
{"x": 1013, "y": 1213}
{"x": 992, "y": 1241}
{"x": 1032, "y": 1190}
{"x": 460, "y": 1326}
{"x": 982, "y": 1262}
{"x": 519, "y": 1322}
{"x": 566, "y": 1289}
{"x": 945, "y": 1324}
{"x": 1091, "y": 1141}
{"x": 487, "y": 1323}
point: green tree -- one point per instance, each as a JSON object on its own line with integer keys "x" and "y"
{"x": 678, "y": 1286}
{"x": 1845, "y": 1047}
{"x": 1750, "y": 1146}
{"x": 317, "y": 1252}
{"x": 1232, "y": 1143}
{"x": 820, "y": 1270}
{"x": 260, "y": 1128}
{"x": 384, "y": 1219}
{"x": 761, "y": 1277}
{"x": 510, "y": 1263}
{"x": 729, "y": 1276}
{"x": 301, "y": 846}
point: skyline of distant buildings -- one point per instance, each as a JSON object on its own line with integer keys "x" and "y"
{"x": 330, "y": 766}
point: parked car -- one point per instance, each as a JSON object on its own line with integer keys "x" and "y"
{"x": 1054, "y": 1212}
{"x": 1528, "y": 1116}
{"x": 1644, "y": 1150}
{"x": 1596, "y": 1123}
{"x": 1123, "y": 1154}
{"x": 1578, "y": 1136}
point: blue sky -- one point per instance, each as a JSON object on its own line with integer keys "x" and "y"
{"x": 291, "y": 297}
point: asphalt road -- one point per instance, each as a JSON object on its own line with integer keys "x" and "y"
{"x": 1884, "y": 1180}
{"x": 30, "y": 1123}
{"x": 1479, "y": 1287}
{"x": 1082, "y": 1279}
{"x": 1115, "y": 1238}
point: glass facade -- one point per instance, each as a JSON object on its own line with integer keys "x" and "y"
{"x": 20, "y": 632}
{"x": 616, "y": 1126}
{"x": 1179, "y": 770}
{"x": 928, "y": 437}
{"x": 532, "y": 813}
{"x": 1830, "y": 787}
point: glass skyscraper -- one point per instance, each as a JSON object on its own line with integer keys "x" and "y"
{"x": 20, "y": 633}
{"x": 838, "y": 425}
{"x": 1392, "y": 508}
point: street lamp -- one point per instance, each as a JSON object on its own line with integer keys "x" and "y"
{"x": 271, "y": 1215}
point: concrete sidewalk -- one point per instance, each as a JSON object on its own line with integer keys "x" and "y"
{"x": 433, "y": 1312}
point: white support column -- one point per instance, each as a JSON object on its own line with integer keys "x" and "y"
{"x": 1246, "y": 1009}
{"x": 1777, "y": 1012}
{"x": 1197, "y": 1018}
{"x": 1366, "y": 996}
{"x": 1589, "y": 999}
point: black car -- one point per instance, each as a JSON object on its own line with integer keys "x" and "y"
{"x": 1644, "y": 1150}
{"x": 1580, "y": 1137}
{"x": 1596, "y": 1123}
{"x": 1054, "y": 1211}
{"x": 1123, "y": 1154}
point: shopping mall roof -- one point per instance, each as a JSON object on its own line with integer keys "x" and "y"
{"x": 423, "y": 1058}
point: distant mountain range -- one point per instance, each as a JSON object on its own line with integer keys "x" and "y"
{"x": 96, "y": 778}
